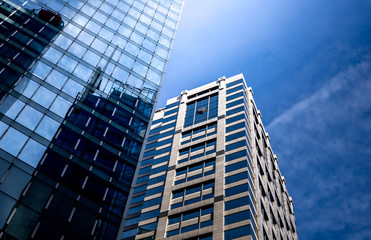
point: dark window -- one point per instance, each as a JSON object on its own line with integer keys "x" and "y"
{"x": 236, "y": 145}
{"x": 234, "y": 83}
{"x": 239, "y": 202}
{"x": 237, "y": 189}
{"x": 236, "y": 110}
{"x": 236, "y": 177}
{"x": 235, "y": 155}
{"x": 235, "y": 136}
{"x": 235, "y": 166}
{"x": 235, "y": 89}
{"x": 238, "y": 232}
{"x": 235, "y": 118}
{"x": 240, "y": 94}
{"x": 237, "y": 217}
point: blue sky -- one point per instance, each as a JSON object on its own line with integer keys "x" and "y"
{"x": 309, "y": 64}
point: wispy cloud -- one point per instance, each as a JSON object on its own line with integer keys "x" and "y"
{"x": 359, "y": 72}
{"x": 323, "y": 144}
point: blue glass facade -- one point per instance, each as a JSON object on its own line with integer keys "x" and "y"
{"x": 99, "y": 175}
{"x": 79, "y": 80}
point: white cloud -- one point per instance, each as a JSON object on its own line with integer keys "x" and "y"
{"x": 360, "y": 73}
{"x": 322, "y": 143}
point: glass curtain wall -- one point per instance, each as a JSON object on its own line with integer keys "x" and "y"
{"x": 78, "y": 83}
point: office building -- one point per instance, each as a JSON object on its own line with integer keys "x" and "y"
{"x": 78, "y": 84}
{"x": 33, "y": 46}
{"x": 208, "y": 171}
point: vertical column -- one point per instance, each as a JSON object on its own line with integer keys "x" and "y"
{"x": 254, "y": 163}
{"x": 219, "y": 164}
{"x": 166, "y": 199}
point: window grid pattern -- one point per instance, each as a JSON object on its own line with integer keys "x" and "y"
{"x": 96, "y": 67}
{"x": 199, "y": 193}
{"x": 193, "y": 214}
{"x": 201, "y": 110}
{"x": 195, "y": 171}
{"x": 85, "y": 39}
{"x": 197, "y": 151}
{"x": 198, "y": 133}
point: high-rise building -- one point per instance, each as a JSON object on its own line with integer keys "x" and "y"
{"x": 208, "y": 171}
{"x": 78, "y": 84}
{"x": 12, "y": 40}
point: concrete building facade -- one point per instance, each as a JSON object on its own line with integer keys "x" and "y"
{"x": 208, "y": 171}
{"x": 78, "y": 84}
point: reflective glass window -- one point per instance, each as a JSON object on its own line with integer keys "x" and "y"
{"x": 240, "y": 94}
{"x": 32, "y": 152}
{"x": 235, "y": 136}
{"x": 29, "y": 117}
{"x": 13, "y": 141}
{"x": 239, "y": 202}
{"x": 234, "y": 83}
{"x": 237, "y": 232}
{"x": 237, "y": 189}
{"x": 236, "y": 177}
{"x": 60, "y": 106}
{"x": 235, "y": 166}
{"x": 44, "y": 97}
{"x": 235, "y": 155}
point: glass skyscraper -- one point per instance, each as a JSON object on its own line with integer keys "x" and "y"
{"x": 78, "y": 84}
{"x": 208, "y": 172}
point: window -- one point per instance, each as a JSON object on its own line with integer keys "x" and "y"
{"x": 172, "y": 105}
{"x": 238, "y": 232}
{"x": 198, "y": 133}
{"x": 153, "y": 191}
{"x": 201, "y": 110}
{"x": 169, "y": 119}
{"x": 158, "y": 136}
{"x": 237, "y": 189}
{"x": 235, "y": 89}
{"x": 237, "y": 217}
{"x": 236, "y": 145}
{"x": 240, "y": 94}
{"x": 236, "y": 177}
{"x": 140, "y": 189}
{"x": 148, "y": 215}
{"x": 175, "y": 110}
{"x": 135, "y": 210}
{"x": 239, "y": 202}
{"x": 235, "y": 155}
{"x": 193, "y": 189}
{"x": 156, "y": 144}
{"x": 203, "y": 92}
{"x": 189, "y": 228}
{"x": 147, "y": 228}
{"x": 236, "y": 110}
{"x": 235, "y": 166}
{"x": 235, "y": 136}
{"x": 144, "y": 170}
{"x": 207, "y": 168}
{"x": 159, "y": 169}
{"x": 234, "y": 83}
{"x": 193, "y": 214}
{"x": 158, "y": 129}
{"x": 235, "y": 103}
{"x": 157, "y": 179}
{"x": 152, "y": 202}
{"x": 235, "y": 118}
{"x": 161, "y": 159}
{"x": 202, "y": 149}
